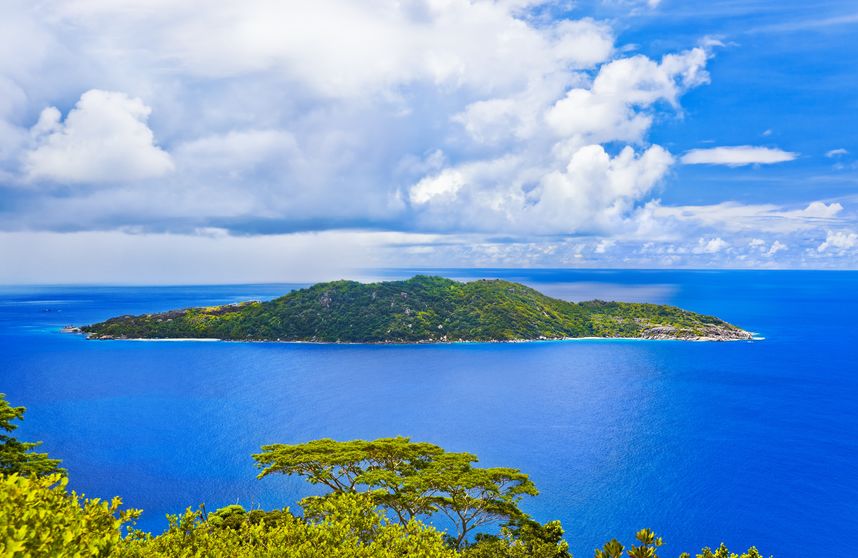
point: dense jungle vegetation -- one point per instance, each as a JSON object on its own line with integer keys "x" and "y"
{"x": 420, "y": 309}
{"x": 382, "y": 497}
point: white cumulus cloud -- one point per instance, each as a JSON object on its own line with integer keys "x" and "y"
{"x": 610, "y": 110}
{"x": 710, "y": 246}
{"x": 737, "y": 156}
{"x": 760, "y": 245}
{"x": 838, "y": 241}
{"x": 594, "y": 192}
{"x": 554, "y": 175}
{"x": 776, "y": 247}
{"x": 817, "y": 210}
{"x": 445, "y": 185}
{"x": 104, "y": 138}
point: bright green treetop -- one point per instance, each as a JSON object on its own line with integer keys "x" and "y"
{"x": 412, "y": 479}
{"x": 39, "y": 517}
{"x": 17, "y": 456}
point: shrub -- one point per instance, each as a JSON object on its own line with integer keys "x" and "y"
{"x": 38, "y": 517}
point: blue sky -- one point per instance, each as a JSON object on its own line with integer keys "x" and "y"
{"x": 162, "y": 141}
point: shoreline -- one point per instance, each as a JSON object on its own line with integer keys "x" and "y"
{"x": 753, "y": 337}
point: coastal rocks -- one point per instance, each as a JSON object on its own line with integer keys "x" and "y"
{"x": 100, "y": 336}
{"x": 705, "y": 333}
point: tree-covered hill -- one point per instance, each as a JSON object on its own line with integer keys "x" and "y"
{"x": 420, "y": 309}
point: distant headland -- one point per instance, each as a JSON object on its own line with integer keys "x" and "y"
{"x": 422, "y": 309}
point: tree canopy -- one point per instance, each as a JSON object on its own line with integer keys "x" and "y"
{"x": 412, "y": 479}
{"x": 17, "y": 456}
{"x": 648, "y": 544}
{"x": 40, "y": 517}
{"x": 421, "y": 309}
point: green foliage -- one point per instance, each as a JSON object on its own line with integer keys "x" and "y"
{"x": 38, "y": 517}
{"x": 471, "y": 497}
{"x": 522, "y": 539}
{"x": 17, "y": 456}
{"x": 649, "y": 544}
{"x": 349, "y": 526}
{"x": 411, "y": 479}
{"x": 611, "y": 549}
{"x": 723, "y": 552}
{"x": 421, "y": 309}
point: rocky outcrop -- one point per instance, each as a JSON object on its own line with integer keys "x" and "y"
{"x": 705, "y": 333}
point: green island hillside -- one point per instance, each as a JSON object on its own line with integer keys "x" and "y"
{"x": 422, "y": 309}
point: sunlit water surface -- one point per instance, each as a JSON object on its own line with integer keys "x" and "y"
{"x": 746, "y": 442}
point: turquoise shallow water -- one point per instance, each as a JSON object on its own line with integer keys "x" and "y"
{"x": 747, "y": 442}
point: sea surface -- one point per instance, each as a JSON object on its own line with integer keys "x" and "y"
{"x": 750, "y": 443}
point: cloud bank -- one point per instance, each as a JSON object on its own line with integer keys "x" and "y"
{"x": 485, "y": 131}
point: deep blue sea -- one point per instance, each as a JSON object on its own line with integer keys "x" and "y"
{"x": 746, "y": 442}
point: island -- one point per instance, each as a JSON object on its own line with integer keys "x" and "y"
{"x": 422, "y": 309}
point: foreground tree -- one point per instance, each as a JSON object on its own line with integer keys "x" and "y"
{"x": 347, "y": 525}
{"x": 385, "y": 467}
{"x": 649, "y": 544}
{"x": 611, "y": 549}
{"x": 344, "y": 466}
{"x": 39, "y": 517}
{"x": 522, "y": 539}
{"x": 472, "y": 497}
{"x": 723, "y": 552}
{"x": 16, "y": 456}
{"x": 411, "y": 479}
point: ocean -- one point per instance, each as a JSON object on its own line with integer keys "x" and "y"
{"x": 749, "y": 443}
